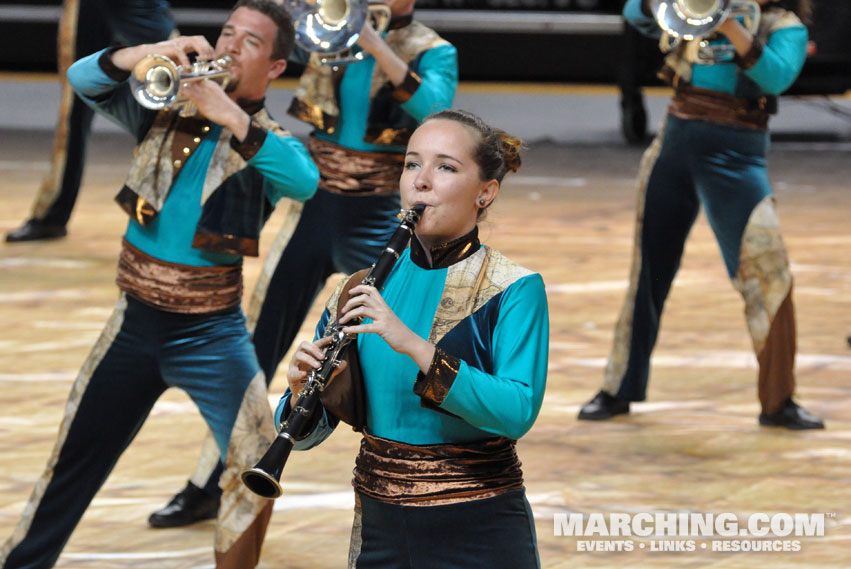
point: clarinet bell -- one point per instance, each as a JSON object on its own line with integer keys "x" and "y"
{"x": 264, "y": 479}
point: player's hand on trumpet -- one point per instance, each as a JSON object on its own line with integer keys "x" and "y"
{"x": 216, "y": 105}
{"x": 176, "y": 49}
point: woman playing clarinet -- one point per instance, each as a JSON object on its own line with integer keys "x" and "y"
{"x": 453, "y": 354}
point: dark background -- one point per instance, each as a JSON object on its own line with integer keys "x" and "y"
{"x": 498, "y": 53}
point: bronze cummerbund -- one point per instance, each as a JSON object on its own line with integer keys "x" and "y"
{"x": 173, "y": 287}
{"x": 430, "y": 475}
{"x": 351, "y": 172}
{"x": 694, "y": 103}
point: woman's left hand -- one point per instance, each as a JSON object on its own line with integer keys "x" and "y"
{"x": 366, "y": 302}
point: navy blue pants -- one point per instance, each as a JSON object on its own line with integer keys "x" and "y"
{"x": 493, "y": 533}
{"x": 142, "y": 352}
{"x": 722, "y": 168}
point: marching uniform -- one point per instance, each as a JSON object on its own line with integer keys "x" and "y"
{"x": 710, "y": 151}
{"x": 197, "y": 199}
{"x": 437, "y": 480}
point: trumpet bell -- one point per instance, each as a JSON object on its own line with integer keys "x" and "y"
{"x": 330, "y": 28}
{"x": 689, "y": 19}
{"x": 154, "y": 82}
{"x": 327, "y": 26}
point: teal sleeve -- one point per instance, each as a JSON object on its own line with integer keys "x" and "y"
{"x": 637, "y": 18}
{"x": 781, "y": 61}
{"x": 327, "y": 423}
{"x": 320, "y": 432}
{"x": 287, "y": 168}
{"x": 108, "y": 97}
{"x": 507, "y": 402}
{"x": 438, "y": 70}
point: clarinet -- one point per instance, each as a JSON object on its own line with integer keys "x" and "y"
{"x": 264, "y": 478}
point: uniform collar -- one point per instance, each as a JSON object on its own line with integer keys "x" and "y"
{"x": 251, "y": 106}
{"x": 400, "y": 21}
{"x": 447, "y": 254}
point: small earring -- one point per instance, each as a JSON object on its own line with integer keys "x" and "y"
{"x": 482, "y": 202}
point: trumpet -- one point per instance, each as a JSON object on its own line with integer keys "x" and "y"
{"x": 156, "y": 80}
{"x": 264, "y": 478}
{"x": 698, "y": 19}
{"x": 330, "y": 28}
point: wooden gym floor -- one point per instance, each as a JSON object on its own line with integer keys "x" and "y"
{"x": 694, "y": 446}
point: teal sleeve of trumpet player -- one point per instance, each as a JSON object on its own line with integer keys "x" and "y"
{"x": 637, "y": 14}
{"x": 781, "y": 60}
{"x": 107, "y": 95}
{"x": 286, "y": 167}
{"x": 438, "y": 70}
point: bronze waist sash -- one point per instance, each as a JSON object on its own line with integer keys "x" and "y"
{"x": 173, "y": 287}
{"x": 351, "y": 172}
{"x": 429, "y": 475}
{"x": 695, "y": 103}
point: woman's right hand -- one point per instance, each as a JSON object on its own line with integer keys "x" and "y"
{"x": 307, "y": 357}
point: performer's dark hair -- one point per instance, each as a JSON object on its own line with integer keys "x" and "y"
{"x": 285, "y": 38}
{"x": 496, "y": 153}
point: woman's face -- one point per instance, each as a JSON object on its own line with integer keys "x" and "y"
{"x": 440, "y": 172}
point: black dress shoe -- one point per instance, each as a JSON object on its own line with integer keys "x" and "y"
{"x": 190, "y": 505}
{"x": 792, "y": 416}
{"x": 35, "y": 229}
{"x": 603, "y": 406}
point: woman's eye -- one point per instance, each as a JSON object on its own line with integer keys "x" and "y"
{"x": 448, "y": 168}
{"x": 410, "y": 165}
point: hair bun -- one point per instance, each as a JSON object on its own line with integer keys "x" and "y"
{"x": 511, "y": 146}
{"x": 496, "y": 152}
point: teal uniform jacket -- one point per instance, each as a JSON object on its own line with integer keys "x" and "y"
{"x": 500, "y": 348}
